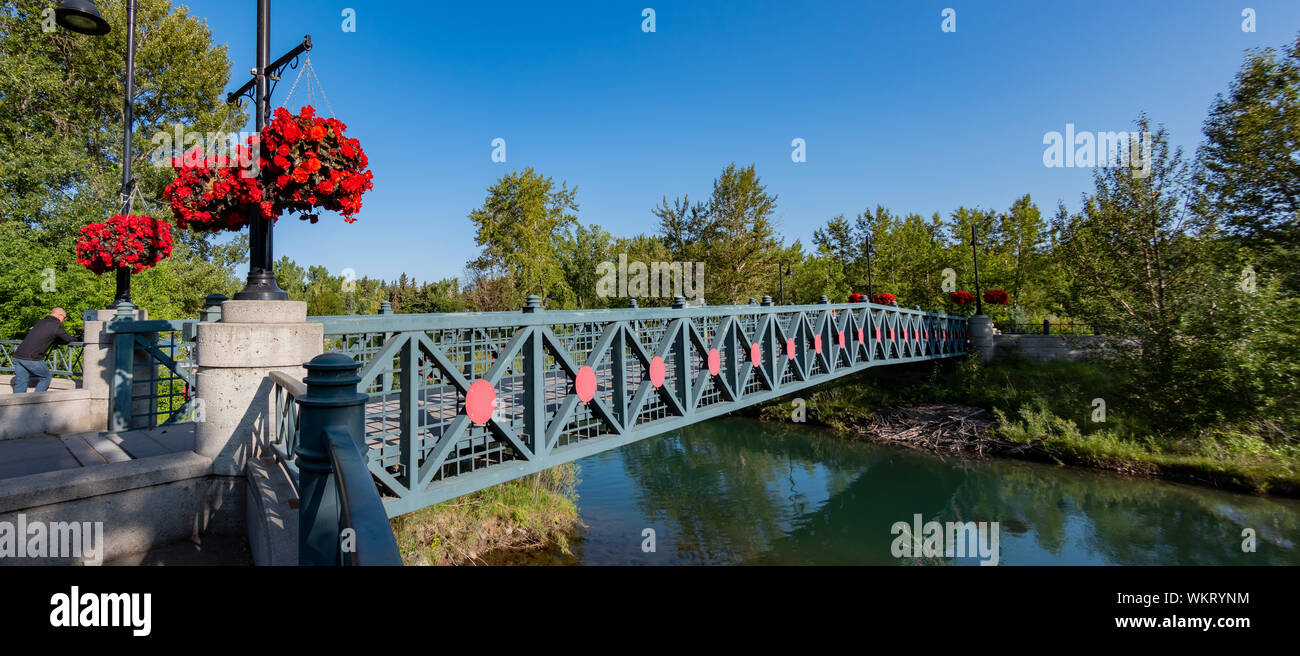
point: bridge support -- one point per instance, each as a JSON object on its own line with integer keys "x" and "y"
{"x": 981, "y": 335}
{"x": 235, "y": 354}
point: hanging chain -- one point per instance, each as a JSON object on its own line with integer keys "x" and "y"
{"x": 322, "y": 91}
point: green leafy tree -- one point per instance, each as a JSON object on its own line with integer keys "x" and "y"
{"x": 1251, "y": 159}
{"x": 733, "y": 234}
{"x": 521, "y": 226}
{"x": 60, "y": 132}
{"x": 580, "y": 253}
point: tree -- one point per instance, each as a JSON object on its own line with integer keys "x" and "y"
{"x": 581, "y": 251}
{"x": 733, "y": 234}
{"x": 1251, "y": 158}
{"x": 60, "y": 132}
{"x": 521, "y": 226}
{"x": 1140, "y": 260}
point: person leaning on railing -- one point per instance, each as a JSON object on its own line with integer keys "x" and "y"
{"x": 29, "y": 359}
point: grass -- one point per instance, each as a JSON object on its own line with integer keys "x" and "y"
{"x": 533, "y": 512}
{"x": 1054, "y": 406}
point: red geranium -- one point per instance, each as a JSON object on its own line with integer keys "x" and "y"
{"x": 312, "y": 165}
{"x": 884, "y": 298}
{"x": 996, "y": 297}
{"x": 857, "y": 298}
{"x": 962, "y": 297}
{"x": 124, "y": 241}
{"x": 215, "y": 193}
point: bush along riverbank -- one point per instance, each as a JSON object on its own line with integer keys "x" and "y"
{"x": 538, "y": 511}
{"x": 1069, "y": 413}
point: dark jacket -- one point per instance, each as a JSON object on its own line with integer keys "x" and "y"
{"x": 43, "y": 335}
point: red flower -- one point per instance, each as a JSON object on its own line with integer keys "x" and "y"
{"x": 884, "y": 298}
{"x": 962, "y": 297}
{"x": 214, "y": 193}
{"x": 996, "y": 297}
{"x": 314, "y": 166}
{"x": 131, "y": 242}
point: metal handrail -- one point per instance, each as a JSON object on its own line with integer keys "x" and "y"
{"x": 64, "y": 360}
{"x": 284, "y": 434}
{"x": 362, "y": 510}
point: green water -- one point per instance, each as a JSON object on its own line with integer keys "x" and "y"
{"x": 739, "y": 491}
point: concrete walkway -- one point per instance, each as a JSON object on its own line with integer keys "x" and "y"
{"x": 37, "y": 455}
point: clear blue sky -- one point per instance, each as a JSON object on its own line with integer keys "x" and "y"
{"x": 894, "y": 111}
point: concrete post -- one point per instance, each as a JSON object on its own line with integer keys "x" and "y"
{"x": 981, "y": 336}
{"x": 234, "y": 357}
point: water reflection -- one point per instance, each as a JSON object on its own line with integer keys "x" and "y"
{"x": 737, "y": 491}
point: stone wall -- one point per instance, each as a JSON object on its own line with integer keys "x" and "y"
{"x": 1052, "y": 347}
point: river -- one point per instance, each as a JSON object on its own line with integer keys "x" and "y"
{"x": 739, "y": 491}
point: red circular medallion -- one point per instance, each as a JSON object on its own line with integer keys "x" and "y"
{"x": 715, "y": 362}
{"x": 480, "y": 401}
{"x": 657, "y": 371}
{"x": 789, "y": 348}
{"x": 755, "y": 354}
{"x": 817, "y": 343}
{"x": 584, "y": 384}
{"x": 841, "y": 339}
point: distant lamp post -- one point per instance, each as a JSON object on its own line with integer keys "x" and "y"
{"x": 871, "y": 252}
{"x": 82, "y": 17}
{"x": 975, "y": 243}
{"x": 783, "y": 270}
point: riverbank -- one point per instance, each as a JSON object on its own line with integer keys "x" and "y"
{"x": 1048, "y": 412}
{"x": 535, "y": 512}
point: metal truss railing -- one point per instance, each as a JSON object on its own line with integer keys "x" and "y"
{"x": 285, "y": 431}
{"x": 63, "y": 360}
{"x": 153, "y": 372}
{"x": 459, "y": 402}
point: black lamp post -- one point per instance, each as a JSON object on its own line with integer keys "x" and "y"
{"x": 82, "y": 17}
{"x": 975, "y": 243}
{"x": 261, "y": 284}
{"x": 783, "y": 270}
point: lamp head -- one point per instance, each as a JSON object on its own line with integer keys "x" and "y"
{"x": 81, "y": 16}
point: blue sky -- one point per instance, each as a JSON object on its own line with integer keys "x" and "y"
{"x": 893, "y": 110}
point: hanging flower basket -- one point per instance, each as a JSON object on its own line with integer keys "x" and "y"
{"x": 996, "y": 297}
{"x": 857, "y": 298}
{"x": 884, "y": 298}
{"x": 962, "y": 297}
{"x": 124, "y": 241}
{"x": 310, "y": 165}
{"x": 211, "y": 194}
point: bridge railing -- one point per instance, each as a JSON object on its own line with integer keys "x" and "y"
{"x": 153, "y": 372}
{"x": 458, "y": 402}
{"x": 285, "y": 432}
{"x": 64, "y": 360}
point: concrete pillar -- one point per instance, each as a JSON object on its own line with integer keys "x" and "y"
{"x": 235, "y": 355}
{"x": 97, "y": 365}
{"x": 981, "y": 336}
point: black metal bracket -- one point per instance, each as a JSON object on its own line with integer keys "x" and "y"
{"x": 289, "y": 59}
